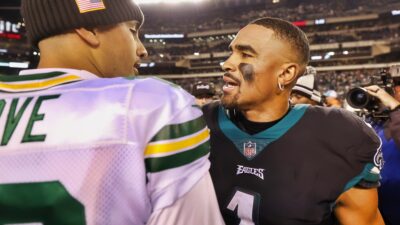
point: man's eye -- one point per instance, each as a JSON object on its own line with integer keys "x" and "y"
{"x": 244, "y": 55}
{"x": 133, "y": 31}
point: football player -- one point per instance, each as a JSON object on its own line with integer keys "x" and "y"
{"x": 82, "y": 145}
{"x": 272, "y": 163}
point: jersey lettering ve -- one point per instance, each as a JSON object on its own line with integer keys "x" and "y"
{"x": 11, "y": 112}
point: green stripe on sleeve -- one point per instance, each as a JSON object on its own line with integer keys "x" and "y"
{"x": 366, "y": 175}
{"x": 172, "y": 161}
{"x": 4, "y": 78}
{"x": 180, "y": 130}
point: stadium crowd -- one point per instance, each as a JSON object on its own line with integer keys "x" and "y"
{"x": 237, "y": 16}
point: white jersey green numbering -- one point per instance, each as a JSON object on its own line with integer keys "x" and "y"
{"x": 76, "y": 149}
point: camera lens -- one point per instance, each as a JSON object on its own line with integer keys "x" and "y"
{"x": 359, "y": 98}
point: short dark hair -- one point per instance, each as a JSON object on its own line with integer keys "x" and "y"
{"x": 290, "y": 33}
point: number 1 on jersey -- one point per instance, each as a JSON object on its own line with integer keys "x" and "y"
{"x": 247, "y": 204}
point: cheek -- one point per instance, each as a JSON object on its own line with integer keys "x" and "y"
{"x": 129, "y": 45}
{"x": 303, "y": 100}
{"x": 247, "y": 71}
{"x": 118, "y": 47}
{"x": 124, "y": 43}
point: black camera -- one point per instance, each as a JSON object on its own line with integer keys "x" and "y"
{"x": 359, "y": 98}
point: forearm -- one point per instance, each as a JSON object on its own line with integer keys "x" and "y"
{"x": 359, "y": 219}
{"x": 359, "y": 206}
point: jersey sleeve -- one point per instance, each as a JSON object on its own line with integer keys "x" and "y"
{"x": 361, "y": 149}
{"x": 182, "y": 211}
{"x": 175, "y": 140}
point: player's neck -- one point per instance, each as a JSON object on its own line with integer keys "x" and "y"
{"x": 55, "y": 64}
{"x": 267, "y": 112}
{"x": 54, "y": 61}
{"x": 54, "y": 55}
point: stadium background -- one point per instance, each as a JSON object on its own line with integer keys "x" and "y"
{"x": 351, "y": 40}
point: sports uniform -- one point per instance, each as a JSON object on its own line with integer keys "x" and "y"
{"x": 77, "y": 149}
{"x": 293, "y": 172}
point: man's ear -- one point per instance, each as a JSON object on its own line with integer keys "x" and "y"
{"x": 88, "y": 36}
{"x": 290, "y": 73}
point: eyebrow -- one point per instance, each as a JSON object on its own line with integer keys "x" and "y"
{"x": 244, "y": 48}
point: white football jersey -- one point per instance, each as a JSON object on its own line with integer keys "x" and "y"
{"x": 89, "y": 150}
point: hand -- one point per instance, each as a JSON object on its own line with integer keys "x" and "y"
{"x": 386, "y": 99}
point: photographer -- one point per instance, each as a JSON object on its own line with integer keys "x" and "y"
{"x": 389, "y": 131}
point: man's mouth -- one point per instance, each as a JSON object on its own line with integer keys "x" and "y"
{"x": 136, "y": 67}
{"x": 230, "y": 82}
{"x": 230, "y": 85}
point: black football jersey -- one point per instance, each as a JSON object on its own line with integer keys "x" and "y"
{"x": 293, "y": 172}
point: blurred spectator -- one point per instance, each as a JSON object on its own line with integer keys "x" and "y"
{"x": 331, "y": 99}
{"x": 204, "y": 92}
{"x": 305, "y": 91}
